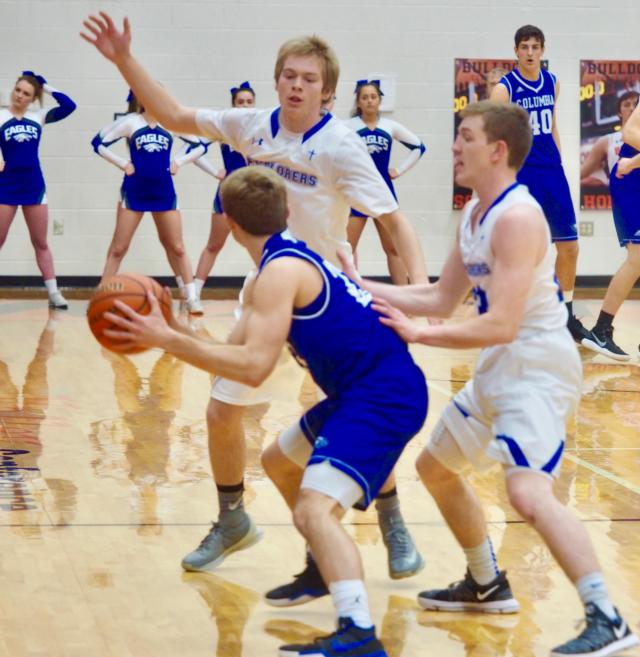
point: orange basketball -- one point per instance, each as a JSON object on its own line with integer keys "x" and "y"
{"x": 132, "y": 290}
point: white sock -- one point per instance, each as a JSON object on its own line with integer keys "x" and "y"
{"x": 199, "y": 285}
{"x": 593, "y": 589}
{"x": 190, "y": 291}
{"x": 482, "y": 562}
{"x": 181, "y": 287}
{"x": 52, "y": 286}
{"x": 351, "y": 601}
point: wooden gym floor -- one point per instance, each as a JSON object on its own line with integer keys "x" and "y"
{"x": 105, "y": 485}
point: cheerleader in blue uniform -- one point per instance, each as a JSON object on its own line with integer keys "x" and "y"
{"x": 241, "y": 96}
{"x": 147, "y": 187}
{"x": 378, "y": 134}
{"x": 21, "y": 179}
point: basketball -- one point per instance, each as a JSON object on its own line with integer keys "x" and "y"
{"x": 132, "y": 290}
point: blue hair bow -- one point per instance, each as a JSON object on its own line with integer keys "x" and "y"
{"x": 244, "y": 86}
{"x": 39, "y": 78}
{"x": 363, "y": 83}
{"x": 130, "y": 96}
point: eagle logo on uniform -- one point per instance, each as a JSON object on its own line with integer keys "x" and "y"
{"x": 152, "y": 147}
{"x": 374, "y": 148}
{"x": 22, "y": 136}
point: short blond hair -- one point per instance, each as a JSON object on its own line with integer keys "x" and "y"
{"x": 505, "y": 122}
{"x": 312, "y": 45}
{"x": 255, "y": 198}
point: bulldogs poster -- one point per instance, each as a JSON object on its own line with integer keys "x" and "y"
{"x": 609, "y": 92}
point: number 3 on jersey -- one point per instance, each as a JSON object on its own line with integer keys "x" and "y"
{"x": 541, "y": 121}
{"x": 480, "y": 299}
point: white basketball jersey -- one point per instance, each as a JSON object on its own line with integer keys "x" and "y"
{"x": 544, "y": 309}
{"x": 327, "y": 171}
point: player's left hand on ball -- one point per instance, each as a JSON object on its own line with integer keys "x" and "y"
{"x": 396, "y": 319}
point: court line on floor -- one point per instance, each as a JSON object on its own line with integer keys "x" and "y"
{"x": 604, "y": 473}
{"x": 495, "y": 523}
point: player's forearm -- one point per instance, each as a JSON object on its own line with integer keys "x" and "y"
{"x": 152, "y": 95}
{"x": 407, "y": 245}
{"x": 421, "y": 299}
{"x": 235, "y": 362}
{"x": 482, "y": 331}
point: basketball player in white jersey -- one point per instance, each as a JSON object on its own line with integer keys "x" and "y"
{"x": 526, "y": 384}
{"x": 327, "y": 170}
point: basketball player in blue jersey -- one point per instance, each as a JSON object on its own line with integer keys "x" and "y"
{"x": 343, "y": 449}
{"x": 21, "y": 179}
{"x": 604, "y": 153}
{"x": 147, "y": 187}
{"x": 241, "y": 96}
{"x": 378, "y": 135}
{"x": 537, "y": 90}
{"x": 526, "y": 385}
{"x": 327, "y": 170}
{"x": 624, "y": 185}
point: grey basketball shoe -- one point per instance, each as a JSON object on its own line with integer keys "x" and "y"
{"x": 600, "y": 637}
{"x": 220, "y": 542}
{"x": 403, "y": 558}
{"x": 467, "y": 595}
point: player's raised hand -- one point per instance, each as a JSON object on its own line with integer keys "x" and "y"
{"x": 108, "y": 40}
{"x": 407, "y": 329}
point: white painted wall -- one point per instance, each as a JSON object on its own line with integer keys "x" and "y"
{"x": 199, "y": 48}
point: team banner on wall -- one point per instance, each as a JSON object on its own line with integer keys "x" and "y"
{"x": 608, "y": 93}
{"x": 474, "y": 81}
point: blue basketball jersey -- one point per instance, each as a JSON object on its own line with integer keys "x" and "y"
{"x": 629, "y": 151}
{"x": 538, "y": 98}
{"x": 338, "y": 336}
{"x": 625, "y": 197}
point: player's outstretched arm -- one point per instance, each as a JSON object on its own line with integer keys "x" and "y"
{"x": 115, "y": 46}
{"x": 518, "y": 242}
{"x": 423, "y": 299}
{"x": 631, "y": 130}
